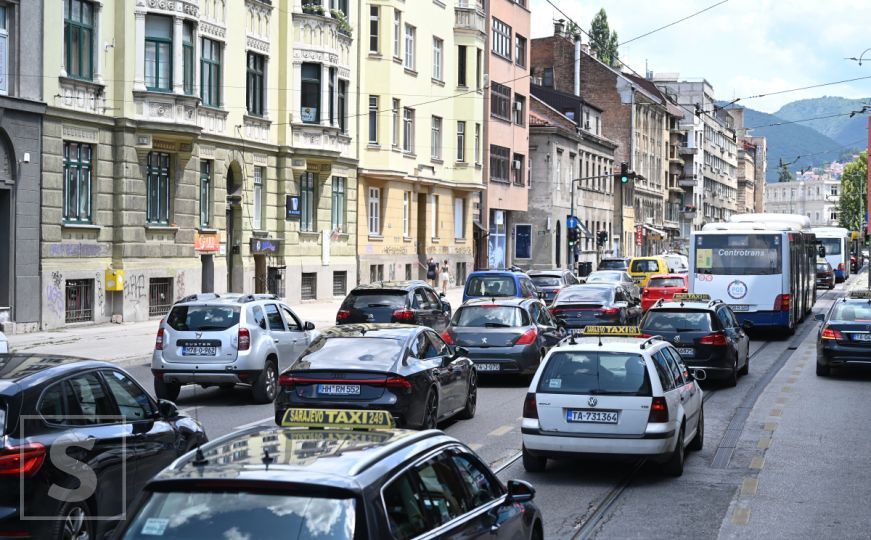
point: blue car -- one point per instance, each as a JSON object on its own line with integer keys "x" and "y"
{"x": 499, "y": 284}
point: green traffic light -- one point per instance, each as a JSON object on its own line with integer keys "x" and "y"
{"x": 624, "y": 179}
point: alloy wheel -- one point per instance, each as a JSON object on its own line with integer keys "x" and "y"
{"x": 75, "y": 526}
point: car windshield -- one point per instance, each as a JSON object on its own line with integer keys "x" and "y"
{"x": 824, "y": 268}
{"x": 199, "y": 318}
{"x": 376, "y": 298}
{"x": 645, "y": 265}
{"x": 373, "y": 349}
{"x": 583, "y": 295}
{"x": 208, "y": 514}
{"x": 491, "y": 286}
{"x": 604, "y": 276}
{"x": 490, "y": 316}
{"x": 584, "y": 372}
{"x": 546, "y": 281}
{"x": 852, "y": 312}
{"x": 676, "y": 321}
{"x": 665, "y": 282}
{"x": 612, "y": 264}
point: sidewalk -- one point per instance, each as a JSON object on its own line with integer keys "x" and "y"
{"x": 131, "y": 343}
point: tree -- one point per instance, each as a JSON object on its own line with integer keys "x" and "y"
{"x": 784, "y": 174}
{"x": 603, "y": 42}
{"x": 852, "y": 197}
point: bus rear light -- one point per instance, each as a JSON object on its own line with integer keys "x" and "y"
{"x": 782, "y": 302}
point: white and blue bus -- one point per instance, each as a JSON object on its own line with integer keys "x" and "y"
{"x": 763, "y": 269}
{"x": 836, "y": 240}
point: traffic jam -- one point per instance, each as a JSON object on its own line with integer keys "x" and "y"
{"x": 617, "y": 363}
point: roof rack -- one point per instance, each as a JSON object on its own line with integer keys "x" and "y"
{"x": 198, "y": 296}
{"x": 649, "y": 341}
{"x": 245, "y": 298}
{"x": 715, "y": 301}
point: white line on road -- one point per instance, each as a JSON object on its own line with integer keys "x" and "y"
{"x": 256, "y": 422}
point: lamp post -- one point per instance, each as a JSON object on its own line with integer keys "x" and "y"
{"x": 861, "y": 56}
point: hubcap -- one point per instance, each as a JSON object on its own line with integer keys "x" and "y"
{"x": 270, "y": 381}
{"x": 473, "y": 394}
{"x": 74, "y": 525}
{"x": 431, "y": 413}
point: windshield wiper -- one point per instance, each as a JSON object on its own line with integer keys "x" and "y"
{"x": 496, "y": 325}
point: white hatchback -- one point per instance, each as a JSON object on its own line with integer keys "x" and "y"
{"x": 612, "y": 395}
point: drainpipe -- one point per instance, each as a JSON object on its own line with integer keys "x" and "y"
{"x": 578, "y": 68}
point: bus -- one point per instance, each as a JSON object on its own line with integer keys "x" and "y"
{"x": 836, "y": 240}
{"x": 763, "y": 269}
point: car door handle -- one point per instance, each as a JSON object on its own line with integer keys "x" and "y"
{"x": 275, "y": 341}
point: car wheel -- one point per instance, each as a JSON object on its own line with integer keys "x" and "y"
{"x": 74, "y": 523}
{"x": 674, "y": 465}
{"x": 468, "y": 411}
{"x": 823, "y": 370}
{"x": 533, "y": 463}
{"x": 431, "y": 412}
{"x": 165, "y": 390}
{"x": 732, "y": 378}
{"x": 699, "y": 440}
{"x": 745, "y": 369}
{"x": 267, "y": 383}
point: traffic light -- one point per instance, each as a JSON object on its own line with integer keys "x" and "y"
{"x": 624, "y": 173}
{"x": 601, "y": 238}
{"x": 573, "y": 235}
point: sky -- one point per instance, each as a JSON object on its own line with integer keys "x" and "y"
{"x": 742, "y": 47}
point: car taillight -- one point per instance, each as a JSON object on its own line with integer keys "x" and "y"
{"x": 342, "y": 315}
{"x": 658, "y": 411}
{"x": 158, "y": 342}
{"x": 556, "y": 312}
{"x": 24, "y": 460}
{"x": 555, "y": 291}
{"x": 609, "y": 311}
{"x": 683, "y": 290}
{"x": 244, "y": 339}
{"x": 447, "y": 337}
{"x": 528, "y": 337}
{"x": 286, "y": 381}
{"x": 781, "y": 302}
{"x": 398, "y": 383}
{"x": 403, "y": 315}
{"x": 530, "y": 407}
{"x": 718, "y": 338}
{"x": 831, "y": 333}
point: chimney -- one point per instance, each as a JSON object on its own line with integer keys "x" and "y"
{"x": 559, "y": 27}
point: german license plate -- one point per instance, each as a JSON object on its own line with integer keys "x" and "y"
{"x": 339, "y": 389}
{"x": 199, "y": 351}
{"x": 592, "y": 417}
{"x": 739, "y": 307}
{"x": 487, "y": 367}
{"x": 861, "y": 337}
{"x": 686, "y": 351}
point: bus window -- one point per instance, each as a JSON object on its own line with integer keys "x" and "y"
{"x": 832, "y": 245}
{"x": 739, "y": 254}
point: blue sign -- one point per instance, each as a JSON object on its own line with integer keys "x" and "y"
{"x": 293, "y": 210}
{"x": 265, "y": 246}
{"x": 572, "y": 222}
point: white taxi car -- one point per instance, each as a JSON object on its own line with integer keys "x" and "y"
{"x": 612, "y": 391}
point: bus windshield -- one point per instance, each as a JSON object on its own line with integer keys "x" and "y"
{"x": 832, "y": 245}
{"x": 739, "y": 254}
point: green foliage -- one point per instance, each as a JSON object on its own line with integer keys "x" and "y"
{"x": 603, "y": 42}
{"x": 851, "y": 203}
{"x": 784, "y": 174}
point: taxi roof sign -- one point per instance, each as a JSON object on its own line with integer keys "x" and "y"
{"x": 692, "y": 297}
{"x": 864, "y": 294}
{"x": 619, "y": 331}
{"x": 341, "y": 418}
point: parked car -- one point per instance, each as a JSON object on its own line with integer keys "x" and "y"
{"x": 663, "y": 286}
{"x": 505, "y": 335}
{"x": 550, "y": 282}
{"x": 677, "y": 263}
{"x": 615, "y": 276}
{"x": 844, "y": 339}
{"x": 499, "y": 283}
{"x": 641, "y": 268}
{"x": 47, "y": 404}
{"x": 406, "y": 302}
{"x": 407, "y": 370}
{"x": 595, "y": 304}
{"x": 614, "y": 263}
{"x": 825, "y": 274}
{"x": 224, "y": 341}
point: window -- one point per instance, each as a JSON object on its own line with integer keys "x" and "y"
{"x": 4, "y": 51}
{"x": 477, "y": 143}
{"x": 519, "y": 50}
{"x": 519, "y": 110}
{"x": 523, "y": 241}
{"x": 396, "y": 123}
{"x": 436, "y": 143}
{"x": 442, "y": 493}
{"x": 332, "y": 94}
{"x": 205, "y": 194}
{"x": 57, "y": 404}
{"x": 373, "y": 119}
{"x": 547, "y": 79}
{"x": 78, "y": 38}
{"x": 374, "y": 211}
{"x": 77, "y": 182}
{"x": 406, "y": 214}
{"x": 461, "y": 65}
{"x": 340, "y": 283}
{"x": 187, "y": 58}
{"x": 311, "y": 93}
{"x": 307, "y": 194}
{"x": 406, "y": 516}
{"x": 482, "y": 487}
{"x": 133, "y": 403}
{"x": 437, "y": 50}
{"x": 158, "y": 53}
{"x": 210, "y": 73}
{"x": 93, "y": 403}
{"x": 501, "y": 39}
{"x": 478, "y": 68}
{"x": 255, "y": 88}
{"x": 434, "y": 216}
{"x": 500, "y": 101}
{"x": 461, "y": 141}
{"x": 409, "y": 46}
{"x": 258, "y": 199}
{"x": 397, "y": 33}
{"x": 499, "y": 156}
{"x": 376, "y": 272}
{"x": 408, "y": 130}
{"x": 337, "y": 222}
{"x": 459, "y": 218}
{"x": 79, "y": 300}
{"x": 374, "y": 15}
{"x": 159, "y": 296}
{"x": 276, "y": 323}
{"x": 343, "y": 106}
{"x": 517, "y": 169}
{"x": 157, "y": 204}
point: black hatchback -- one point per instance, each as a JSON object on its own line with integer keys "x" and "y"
{"x": 406, "y": 302}
{"x": 78, "y": 440}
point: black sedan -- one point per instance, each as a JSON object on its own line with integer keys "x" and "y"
{"x": 78, "y": 440}
{"x": 845, "y": 335}
{"x": 551, "y": 282}
{"x": 405, "y": 302}
{"x": 595, "y": 304}
{"x": 407, "y": 370}
{"x": 825, "y": 275}
{"x": 504, "y": 335}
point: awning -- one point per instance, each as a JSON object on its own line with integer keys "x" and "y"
{"x": 585, "y": 232}
{"x": 654, "y": 230}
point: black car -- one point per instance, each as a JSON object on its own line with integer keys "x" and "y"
{"x": 551, "y": 282}
{"x": 614, "y": 263}
{"x": 78, "y": 440}
{"x": 407, "y": 370}
{"x": 705, "y": 332}
{"x": 845, "y": 335}
{"x": 504, "y": 335}
{"x": 595, "y": 304}
{"x": 338, "y": 483}
{"x": 406, "y": 302}
{"x": 825, "y": 275}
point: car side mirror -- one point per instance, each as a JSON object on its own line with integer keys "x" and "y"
{"x": 441, "y": 295}
{"x": 309, "y": 325}
{"x": 747, "y": 325}
{"x": 819, "y": 316}
{"x": 446, "y": 306}
{"x": 520, "y": 491}
{"x": 460, "y": 352}
{"x": 167, "y": 408}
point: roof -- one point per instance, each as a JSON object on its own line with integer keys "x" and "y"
{"x": 403, "y": 285}
{"x": 373, "y": 330}
{"x": 654, "y": 276}
{"x": 36, "y": 368}
{"x": 553, "y": 272}
{"x": 609, "y": 344}
{"x": 614, "y": 259}
{"x": 686, "y": 304}
{"x": 496, "y": 272}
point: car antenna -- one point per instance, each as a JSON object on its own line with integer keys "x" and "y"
{"x": 199, "y": 458}
{"x": 600, "y": 340}
{"x": 267, "y": 459}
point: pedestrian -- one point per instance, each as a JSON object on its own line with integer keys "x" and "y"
{"x": 432, "y": 270}
{"x": 445, "y": 276}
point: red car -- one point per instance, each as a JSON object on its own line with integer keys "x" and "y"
{"x": 663, "y": 286}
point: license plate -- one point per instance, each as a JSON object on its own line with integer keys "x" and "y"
{"x": 339, "y": 389}
{"x": 686, "y": 351}
{"x": 592, "y": 417}
{"x": 199, "y": 351}
{"x": 739, "y": 307}
{"x": 861, "y": 337}
{"x": 487, "y": 367}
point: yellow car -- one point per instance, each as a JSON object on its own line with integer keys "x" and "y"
{"x": 641, "y": 268}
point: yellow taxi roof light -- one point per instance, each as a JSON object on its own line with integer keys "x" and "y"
{"x": 864, "y": 294}
{"x": 343, "y": 418}
{"x": 692, "y": 297}
{"x": 620, "y": 331}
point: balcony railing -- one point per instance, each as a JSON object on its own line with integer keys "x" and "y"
{"x": 470, "y": 17}
{"x": 687, "y": 150}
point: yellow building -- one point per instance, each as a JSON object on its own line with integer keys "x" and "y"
{"x": 421, "y": 129}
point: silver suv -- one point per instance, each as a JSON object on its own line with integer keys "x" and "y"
{"x": 215, "y": 340}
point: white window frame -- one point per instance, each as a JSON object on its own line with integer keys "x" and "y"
{"x": 406, "y": 214}
{"x": 459, "y": 218}
{"x": 258, "y": 199}
{"x": 4, "y": 52}
{"x": 397, "y": 33}
{"x": 372, "y": 125}
{"x": 408, "y": 130}
{"x": 477, "y": 144}
{"x": 410, "y": 37}
{"x": 436, "y": 135}
{"x": 397, "y": 124}
{"x": 375, "y": 17}
{"x": 461, "y": 141}
{"x": 438, "y": 48}
{"x": 374, "y": 207}
{"x": 434, "y": 216}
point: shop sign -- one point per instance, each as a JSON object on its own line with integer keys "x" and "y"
{"x": 639, "y": 235}
{"x": 292, "y": 208}
{"x": 265, "y": 246}
{"x": 206, "y": 241}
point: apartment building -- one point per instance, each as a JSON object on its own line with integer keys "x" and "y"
{"x": 813, "y": 194}
{"x": 421, "y": 148}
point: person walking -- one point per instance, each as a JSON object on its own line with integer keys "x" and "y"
{"x": 432, "y": 271}
{"x": 445, "y": 276}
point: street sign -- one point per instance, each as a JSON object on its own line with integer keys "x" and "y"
{"x": 572, "y": 222}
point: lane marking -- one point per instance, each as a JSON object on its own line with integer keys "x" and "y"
{"x": 792, "y": 380}
{"x": 501, "y": 430}
{"x": 256, "y": 422}
{"x": 775, "y": 412}
{"x": 741, "y": 516}
{"x": 764, "y": 443}
{"x": 769, "y": 426}
{"x": 475, "y": 446}
{"x": 787, "y": 389}
{"x": 782, "y": 399}
{"x": 749, "y": 486}
{"x": 757, "y": 463}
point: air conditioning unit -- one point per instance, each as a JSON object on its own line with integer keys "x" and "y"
{"x": 517, "y": 164}
{"x": 518, "y": 106}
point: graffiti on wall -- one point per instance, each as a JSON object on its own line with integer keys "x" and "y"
{"x": 134, "y": 288}
{"x": 179, "y": 286}
{"x": 54, "y": 294}
{"x": 79, "y": 249}
{"x": 99, "y": 292}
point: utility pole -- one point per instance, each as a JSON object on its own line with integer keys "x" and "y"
{"x": 625, "y": 176}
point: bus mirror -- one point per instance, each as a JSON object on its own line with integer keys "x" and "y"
{"x": 821, "y": 251}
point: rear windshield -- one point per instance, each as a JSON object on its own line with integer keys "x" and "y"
{"x": 200, "y": 318}
{"x": 823, "y": 268}
{"x": 546, "y": 281}
{"x": 585, "y": 295}
{"x": 665, "y": 282}
{"x": 645, "y": 265}
{"x": 491, "y": 286}
{"x": 2, "y": 417}
{"x": 374, "y": 299}
{"x": 677, "y": 321}
{"x": 206, "y": 514}
{"x": 604, "y": 276}
{"x": 832, "y": 245}
{"x": 580, "y": 372}
{"x": 374, "y": 349}
{"x": 490, "y": 316}
{"x": 852, "y": 311}
{"x": 612, "y": 264}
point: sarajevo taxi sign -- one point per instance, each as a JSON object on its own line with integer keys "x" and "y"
{"x": 619, "y": 331}
{"x": 341, "y": 418}
{"x": 860, "y": 293}
{"x": 691, "y": 297}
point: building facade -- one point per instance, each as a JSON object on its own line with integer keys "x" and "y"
{"x": 421, "y": 147}
{"x": 814, "y": 194}
{"x": 195, "y": 145}
{"x": 21, "y": 113}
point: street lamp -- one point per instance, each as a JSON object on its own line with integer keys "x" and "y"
{"x": 861, "y": 56}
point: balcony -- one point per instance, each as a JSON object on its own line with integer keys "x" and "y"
{"x": 686, "y": 182}
{"x": 166, "y": 107}
{"x": 687, "y": 150}
{"x": 469, "y": 16}
{"x": 320, "y": 138}
{"x": 689, "y": 212}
